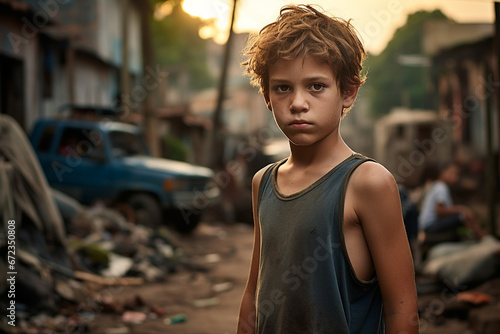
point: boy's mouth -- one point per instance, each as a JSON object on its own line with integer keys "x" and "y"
{"x": 299, "y": 123}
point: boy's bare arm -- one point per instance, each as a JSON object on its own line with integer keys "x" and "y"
{"x": 379, "y": 212}
{"x": 247, "y": 314}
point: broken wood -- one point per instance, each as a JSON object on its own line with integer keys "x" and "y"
{"x": 124, "y": 281}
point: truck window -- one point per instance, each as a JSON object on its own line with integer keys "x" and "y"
{"x": 76, "y": 141}
{"x": 126, "y": 144}
{"x": 46, "y": 139}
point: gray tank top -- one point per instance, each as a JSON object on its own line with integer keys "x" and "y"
{"x": 306, "y": 282}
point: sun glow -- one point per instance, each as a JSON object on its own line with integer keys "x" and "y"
{"x": 215, "y": 14}
{"x": 162, "y": 10}
{"x": 376, "y": 20}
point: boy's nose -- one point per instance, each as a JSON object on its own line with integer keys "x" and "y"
{"x": 299, "y": 102}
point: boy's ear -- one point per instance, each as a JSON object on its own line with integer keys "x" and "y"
{"x": 349, "y": 96}
{"x": 268, "y": 102}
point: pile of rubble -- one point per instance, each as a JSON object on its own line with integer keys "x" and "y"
{"x": 63, "y": 261}
{"x": 459, "y": 286}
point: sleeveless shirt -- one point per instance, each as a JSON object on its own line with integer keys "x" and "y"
{"x": 306, "y": 282}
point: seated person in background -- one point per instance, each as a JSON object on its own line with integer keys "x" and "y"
{"x": 438, "y": 212}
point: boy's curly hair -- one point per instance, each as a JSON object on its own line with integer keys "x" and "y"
{"x": 301, "y": 30}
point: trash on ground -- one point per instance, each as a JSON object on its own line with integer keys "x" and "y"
{"x": 206, "y": 302}
{"x": 464, "y": 263}
{"x": 67, "y": 254}
{"x": 221, "y": 287}
{"x": 212, "y": 258}
{"x": 134, "y": 317}
{"x": 175, "y": 319}
{"x": 474, "y": 297}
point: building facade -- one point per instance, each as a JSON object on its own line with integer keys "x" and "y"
{"x": 59, "y": 52}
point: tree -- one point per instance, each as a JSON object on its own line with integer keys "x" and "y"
{"x": 177, "y": 44}
{"x": 391, "y": 84}
{"x": 150, "y": 122}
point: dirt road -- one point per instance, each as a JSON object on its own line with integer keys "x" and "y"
{"x": 209, "y": 300}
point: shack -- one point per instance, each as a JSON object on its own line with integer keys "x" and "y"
{"x": 406, "y": 141}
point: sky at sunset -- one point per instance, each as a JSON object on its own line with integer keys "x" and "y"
{"x": 375, "y": 20}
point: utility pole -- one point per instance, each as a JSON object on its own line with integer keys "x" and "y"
{"x": 492, "y": 167}
{"x": 70, "y": 65}
{"x": 124, "y": 75}
{"x": 216, "y": 135}
{"x": 150, "y": 121}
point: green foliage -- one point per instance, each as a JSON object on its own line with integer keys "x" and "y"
{"x": 174, "y": 148}
{"x": 177, "y": 45}
{"x": 392, "y": 84}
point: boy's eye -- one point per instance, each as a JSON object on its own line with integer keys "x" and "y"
{"x": 281, "y": 88}
{"x": 316, "y": 87}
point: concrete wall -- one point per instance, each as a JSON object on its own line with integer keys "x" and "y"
{"x": 18, "y": 40}
{"x": 37, "y": 33}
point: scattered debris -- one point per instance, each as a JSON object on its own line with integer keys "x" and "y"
{"x": 134, "y": 317}
{"x": 474, "y": 298}
{"x": 70, "y": 258}
{"x": 212, "y": 258}
{"x": 206, "y": 302}
{"x": 175, "y": 319}
{"x": 221, "y": 287}
{"x": 464, "y": 263}
{"x": 106, "y": 281}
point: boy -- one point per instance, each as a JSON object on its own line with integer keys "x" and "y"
{"x": 438, "y": 212}
{"x": 326, "y": 252}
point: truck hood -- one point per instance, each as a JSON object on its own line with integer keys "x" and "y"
{"x": 167, "y": 166}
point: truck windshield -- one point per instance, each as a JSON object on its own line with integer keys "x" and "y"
{"x": 125, "y": 144}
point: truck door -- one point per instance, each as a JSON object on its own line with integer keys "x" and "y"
{"x": 79, "y": 167}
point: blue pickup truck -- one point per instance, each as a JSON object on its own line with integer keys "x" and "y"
{"x": 108, "y": 160}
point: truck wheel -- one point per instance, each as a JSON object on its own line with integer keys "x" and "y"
{"x": 147, "y": 210}
{"x": 183, "y": 223}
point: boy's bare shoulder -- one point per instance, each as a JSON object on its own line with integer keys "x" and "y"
{"x": 373, "y": 179}
{"x": 258, "y": 176}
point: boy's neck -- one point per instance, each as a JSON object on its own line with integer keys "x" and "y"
{"x": 328, "y": 153}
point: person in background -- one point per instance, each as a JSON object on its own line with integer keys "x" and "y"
{"x": 438, "y": 213}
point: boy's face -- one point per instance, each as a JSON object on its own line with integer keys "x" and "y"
{"x": 305, "y": 99}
